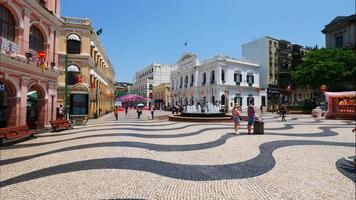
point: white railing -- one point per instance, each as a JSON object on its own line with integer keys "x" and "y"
{"x": 80, "y": 21}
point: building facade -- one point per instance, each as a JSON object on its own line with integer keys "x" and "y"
{"x": 151, "y": 76}
{"x": 341, "y": 32}
{"x": 90, "y": 74}
{"x": 221, "y": 81}
{"x": 277, "y": 58}
{"x": 122, "y": 88}
{"x": 162, "y": 96}
{"x": 29, "y": 31}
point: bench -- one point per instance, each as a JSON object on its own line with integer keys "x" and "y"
{"x": 61, "y": 124}
{"x": 14, "y": 132}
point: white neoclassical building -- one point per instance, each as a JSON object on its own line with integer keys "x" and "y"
{"x": 149, "y": 77}
{"x": 221, "y": 80}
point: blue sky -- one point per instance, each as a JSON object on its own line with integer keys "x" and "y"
{"x": 139, "y": 32}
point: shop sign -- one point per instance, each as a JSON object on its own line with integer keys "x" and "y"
{"x": 7, "y": 46}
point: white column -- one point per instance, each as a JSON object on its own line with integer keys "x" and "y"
{"x": 218, "y": 74}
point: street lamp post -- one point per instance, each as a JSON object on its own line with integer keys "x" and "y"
{"x": 66, "y": 87}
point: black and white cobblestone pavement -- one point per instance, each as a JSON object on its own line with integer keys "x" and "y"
{"x": 152, "y": 159}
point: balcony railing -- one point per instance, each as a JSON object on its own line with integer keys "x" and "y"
{"x": 80, "y": 21}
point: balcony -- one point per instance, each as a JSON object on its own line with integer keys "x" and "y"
{"x": 78, "y": 21}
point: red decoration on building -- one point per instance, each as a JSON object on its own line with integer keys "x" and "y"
{"x": 257, "y": 89}
{"x": 92, "y": 85}
{"x": 80, "y": 78}
{"x": 42, "y": 55}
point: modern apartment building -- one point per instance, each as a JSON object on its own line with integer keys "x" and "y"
{"x": 341, "y": 32}
{"x": 29, "y": 32}
{"x": 277, "y": 58}
{"x": 220, "y": 80}
{"x": 90, "y": 74}
{"x": 149, "y": 77}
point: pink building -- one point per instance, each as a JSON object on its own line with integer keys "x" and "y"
{"x": 28, "y": 62}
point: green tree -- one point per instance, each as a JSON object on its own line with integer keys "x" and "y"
{"x": 334, "y": 67}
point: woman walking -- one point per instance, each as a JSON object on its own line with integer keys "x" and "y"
{"x": 251, "y": 117}
{"x": 236, "y": 117}
{"x": 116, "y": 113}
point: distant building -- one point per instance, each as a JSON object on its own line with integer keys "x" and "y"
{"x": 341, "y": 32}
{"x": 91, "y": 76}
{"x": 277, "y": 58}
{"x": 162, "y": 96}
{"x": 122, "y": 88}
{"x": 221, "y": 80}
{"x": 149, "y": 77}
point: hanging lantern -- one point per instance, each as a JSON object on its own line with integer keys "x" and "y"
{"x": 80, "y": 78}
{"x": 257, "y": 89}
{"x": 42, "y": 55}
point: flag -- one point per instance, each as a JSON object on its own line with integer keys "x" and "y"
{"x": 100, "y": 31}
{"x": 186, "y": 43}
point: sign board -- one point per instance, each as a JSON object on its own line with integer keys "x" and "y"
{"x": 8, "y": 46}
{"x": 79, "y": 104}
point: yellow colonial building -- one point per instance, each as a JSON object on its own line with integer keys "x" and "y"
{"x": 90, "y": 75}
{"x": 161, "y": 96}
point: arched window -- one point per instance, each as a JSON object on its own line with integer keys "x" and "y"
{"x": 204, "y": 78}
{"x": 7, "y": 24}
{"x": 36, "y": 39}
{"x": 192, "y": 80}
{"x": 73, "y": 44}
{"x": 223, "y": 76}
{"x": 212, "y": 78}
{"x": 72, "y": 74}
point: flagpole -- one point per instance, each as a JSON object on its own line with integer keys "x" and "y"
{"x": 66, "y": 88}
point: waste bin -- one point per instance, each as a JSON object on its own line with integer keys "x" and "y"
{"x": 258, "y": 127}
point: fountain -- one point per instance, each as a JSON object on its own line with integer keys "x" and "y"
{"x": 202, "y": 112}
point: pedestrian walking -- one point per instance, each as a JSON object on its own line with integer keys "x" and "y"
{"x": 116, "y": 113}
{"x": 152, "y": 112}
{"x": 283, "y": 112}
{"x": 139, "y": 112}
{"x": 126, "y": 109}
{"x": 236, "y": 114}
{"x": 251, "y": 117}
{"x": 60, "y": 112}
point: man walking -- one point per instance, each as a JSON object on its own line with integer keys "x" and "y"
{"x": 283, "y": 113}
{"x": 152, "y": 112}
{"x": 126, "y": 109}
{"x": 251, "y": 117}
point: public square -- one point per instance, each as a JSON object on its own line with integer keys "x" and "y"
{"x": 158, "y": 159}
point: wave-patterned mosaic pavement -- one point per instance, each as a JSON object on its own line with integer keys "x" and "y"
{"x": 151, "y": 159}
